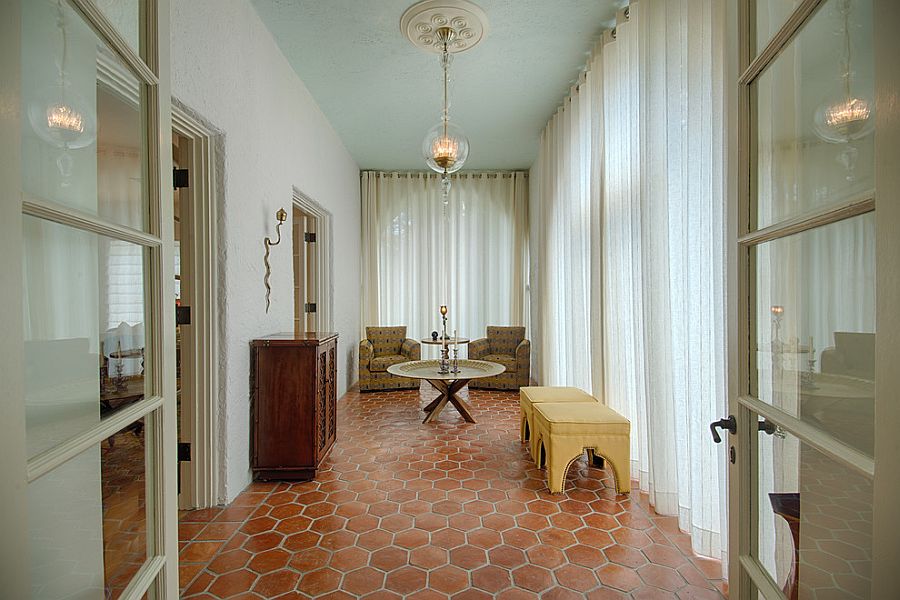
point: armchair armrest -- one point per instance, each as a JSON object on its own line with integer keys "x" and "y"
{"x": 832, "y": 361}
{"x": 479, "y": 348}
{"x": 411, "y": 349}
{"x": 523, "y": 356}
{"x": 366, "y": 352}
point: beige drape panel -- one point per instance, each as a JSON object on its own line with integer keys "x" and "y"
{"x": 470, "y": 254}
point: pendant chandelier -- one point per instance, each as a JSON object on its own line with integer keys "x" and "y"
{"x": 58, "y": 114}
{"x": 849, "y": 116}
{"x": 445, "y": 146}
{"x": 447, "y": 27}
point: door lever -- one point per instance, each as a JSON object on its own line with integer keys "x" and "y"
{"x": 730, "y": 424}
{"x": 770, "y": 428}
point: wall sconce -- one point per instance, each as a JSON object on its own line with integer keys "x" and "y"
{"x": 281, "y": 215}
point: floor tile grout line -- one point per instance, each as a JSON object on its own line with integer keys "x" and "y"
{"x": 439, "y": 442}
{"x": 218, "y": 552}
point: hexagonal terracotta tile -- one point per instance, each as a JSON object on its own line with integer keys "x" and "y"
{"x": 449, "y": 510}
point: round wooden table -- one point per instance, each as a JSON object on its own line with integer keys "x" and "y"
{"x": 447, "y": 384}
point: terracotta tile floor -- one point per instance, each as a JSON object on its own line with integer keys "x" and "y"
{"x": 446, "y": 510}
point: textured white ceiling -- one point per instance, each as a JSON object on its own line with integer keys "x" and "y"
{"x": 381, "y": 94}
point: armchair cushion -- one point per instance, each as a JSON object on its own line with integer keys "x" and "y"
{"x": 504, "y": 340}
{"x": 502, "y": 359}
{"x": 386, "y": 340}
{"x": 379, "y": 364}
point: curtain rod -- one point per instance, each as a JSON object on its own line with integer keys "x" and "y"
{"x": 621, "y": 16}
{"x": 430, "y": 175}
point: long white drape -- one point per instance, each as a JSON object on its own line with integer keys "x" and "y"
{"x": 634, "y": 160}
{"x": 419, "y": 254}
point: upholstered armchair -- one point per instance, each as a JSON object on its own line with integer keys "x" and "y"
{"x": 853, "y": 355}
{"x": 383, "y": 347}
{"x": 508, "y": 347}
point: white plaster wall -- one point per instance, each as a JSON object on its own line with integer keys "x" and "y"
{"x": 227, "y": 68}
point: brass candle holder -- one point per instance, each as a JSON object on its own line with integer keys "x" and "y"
{"x": 445, "y": 348}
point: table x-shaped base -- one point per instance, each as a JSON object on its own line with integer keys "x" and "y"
{"x": 447, "y": 393}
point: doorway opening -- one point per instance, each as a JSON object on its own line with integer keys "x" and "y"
{"x": 197, "y": 311}
{"x": 313, "y": 294}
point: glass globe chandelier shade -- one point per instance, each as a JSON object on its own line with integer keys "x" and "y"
{"x": 844, "y": 119}
{"x": 62, "y": 118}
{"x": 848, "y": 115}
{"x": 445, "y": 148}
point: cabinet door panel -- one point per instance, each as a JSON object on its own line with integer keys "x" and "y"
{"x": 283, "y": 419}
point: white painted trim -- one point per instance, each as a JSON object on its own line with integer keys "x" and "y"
{"x": 201, "y": 481}
{"x": 324, "y": 258}
{"x": 65, "y": 215}
{"x": 14, "y": 559}
{"x": 813, "y": 437}
{"x": 779, "y": 41}
{"x": 46, "y": 461}
{"x": 161, "y": 426}
{"x": 143, "y": 579}
{"x": 107, "y": 32}
{"x": 811, "y": 220}
{"x": 732, "y": 70}
{"x": 886, "y": 526}
{"x": 767, "y": 587}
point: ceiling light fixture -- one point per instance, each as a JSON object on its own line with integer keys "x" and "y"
{"x": 445, "y": 26}
{"x": 849, "y": 116}
{"x": 58, "y": 114}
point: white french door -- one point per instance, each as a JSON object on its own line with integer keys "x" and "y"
{"x": 814, "y": 468}
{"x": 88, "y": 427}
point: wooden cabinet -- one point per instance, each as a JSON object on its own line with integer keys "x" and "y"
{"x": 293, "y": 387}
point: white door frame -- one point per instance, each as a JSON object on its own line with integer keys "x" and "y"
{"x": 200, "y": 482}
{"x": 324, "y": 258}
{"x": 884, "y": 469}
{"x": 158, "y": 576}
{"x": 886, "y": 542}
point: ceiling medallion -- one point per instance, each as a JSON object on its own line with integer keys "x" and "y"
{"x": 445, "y": 26}
{"x": 422, "y": 21}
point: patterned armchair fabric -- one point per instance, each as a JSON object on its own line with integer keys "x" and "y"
{"x": 506, "y": 346}
{"x": 383, "y": 347}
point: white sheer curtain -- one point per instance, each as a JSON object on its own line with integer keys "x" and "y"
{"x": 568, "y": 180}
{"x": 651, "y": 149}
{"x": 418, "y": 254}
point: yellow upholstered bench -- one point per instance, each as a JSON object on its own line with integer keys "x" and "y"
{"x": 562, "y": 432}
{"x": 531, "y": 395}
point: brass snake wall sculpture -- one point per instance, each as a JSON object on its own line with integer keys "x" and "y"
{"x": 281, "y": 215}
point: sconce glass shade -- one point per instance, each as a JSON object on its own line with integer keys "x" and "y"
{"x": 445, "y": 152}
{"x": 62, "y": 118}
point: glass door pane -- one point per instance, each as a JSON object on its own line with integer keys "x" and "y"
{"x": 815, "y": 521}
{"x": 814, "y": 116}
{"x": 87, "y": 521}
{"x": 82, "y": 135}
{"x": 85, "y": 330}
{"x": 815, "y": 328}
